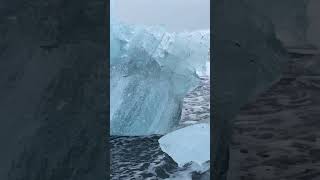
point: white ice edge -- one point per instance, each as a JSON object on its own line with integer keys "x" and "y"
{"x": 189, "y": 144}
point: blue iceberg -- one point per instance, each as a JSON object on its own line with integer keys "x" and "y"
{"x": 151, "y": 70}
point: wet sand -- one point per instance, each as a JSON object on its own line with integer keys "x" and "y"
{"x": 277, "y": 137}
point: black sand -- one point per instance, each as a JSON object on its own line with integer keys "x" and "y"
{"x": 277, "y": 136}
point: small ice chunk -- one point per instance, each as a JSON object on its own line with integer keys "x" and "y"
{"x": 190, "y": 122}
{"x": 186, "y": 174}
{"x": 189, "y": 144}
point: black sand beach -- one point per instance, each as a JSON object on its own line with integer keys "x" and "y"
{"x": 277, "y": 136}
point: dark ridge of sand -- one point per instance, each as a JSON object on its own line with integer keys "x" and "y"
{"x": 277, "y": 136}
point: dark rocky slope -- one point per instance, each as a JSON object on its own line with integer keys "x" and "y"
{"x": 276, "y": 136}
{"x": 296, "y": 22}
{"x": 247, "y": 58}
{"x": 53, "y": 89}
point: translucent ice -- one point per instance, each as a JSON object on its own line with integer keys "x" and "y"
{"x": 151, "y": 71}
{"x": 189, "y": 144}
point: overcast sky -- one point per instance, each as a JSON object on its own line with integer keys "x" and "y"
{"x": 176, "y": 15}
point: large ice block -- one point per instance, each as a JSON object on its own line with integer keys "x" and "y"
{"x": 151, "y": 71}
{"x": 189, "y": 144}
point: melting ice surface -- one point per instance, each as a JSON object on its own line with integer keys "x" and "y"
{"x": 189, "y": 144}
{"x": 151, "y": 71}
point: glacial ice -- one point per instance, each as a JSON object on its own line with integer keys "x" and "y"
{"x": 189, "y": 144}
{"x": 151, "y": 71}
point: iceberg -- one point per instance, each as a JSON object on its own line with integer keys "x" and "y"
{"x": 151, "y": 71}
{"x": 187, "y": 145}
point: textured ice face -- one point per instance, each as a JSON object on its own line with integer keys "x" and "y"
{"x": 151, "y": 71}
